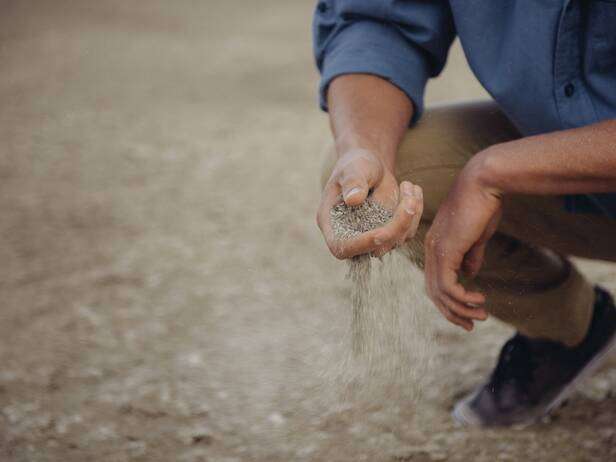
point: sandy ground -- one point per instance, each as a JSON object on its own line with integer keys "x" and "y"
{"x": 165, "y": 294}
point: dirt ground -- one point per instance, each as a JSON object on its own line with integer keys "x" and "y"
{"x": 165, "y": 294}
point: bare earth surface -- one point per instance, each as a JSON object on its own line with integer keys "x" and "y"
{"x": 165, "y": 294}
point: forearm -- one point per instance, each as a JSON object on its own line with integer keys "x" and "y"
{"x": 367, "y": 112}
{"x": 576, "y": 161}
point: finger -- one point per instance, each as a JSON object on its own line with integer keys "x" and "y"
{"x": 393, "y": 233}
{"x": 432, "y": 289}
{"x": 436, "y": 296}
{"x": 381, "y": 240}
{"x": 329, "y": 198}
{"x": 354, "y": 186}
{"x": 462, "y": 310}
{"x": 379, "y": 252}
{"x": 417, "y": 211}
{"x": 458, "y": 321}
{"x": 404, "y": 213}
{"x": 473, "y": 260}
{"x": 370, "y": 242}
{"x": 447, "y": 283}
{"x": 467, "y": 297}
{"x": 453, "y": 318}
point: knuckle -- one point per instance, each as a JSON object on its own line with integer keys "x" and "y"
{"x": 344, "y": 175}
{"x": 445, "y": 289}
{"x": 446, "y": 303}
{"x": 388, "y": 236}
{"x": 410, "y": 209}
{"x": 405, "y": 226}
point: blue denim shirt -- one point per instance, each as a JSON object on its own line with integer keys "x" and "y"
{"x": 549, "y": 64}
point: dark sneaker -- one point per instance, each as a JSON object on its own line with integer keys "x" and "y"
{"x": 533, "y": 376}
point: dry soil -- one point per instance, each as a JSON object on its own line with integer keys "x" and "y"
{"x": 165, "y": 294}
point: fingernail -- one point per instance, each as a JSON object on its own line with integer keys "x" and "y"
{"x": 407, "y": 189}
{"x": 352, "y": 192}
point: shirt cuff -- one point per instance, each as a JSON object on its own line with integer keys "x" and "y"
{"x": 370, "y": 47}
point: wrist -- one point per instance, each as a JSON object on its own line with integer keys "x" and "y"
{"x": 348, "y": 154}
{"x": 486, "y": 171}
{"x": 386, "y": 155}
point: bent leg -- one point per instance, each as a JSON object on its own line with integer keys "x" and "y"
{"x": 528, "y": 282}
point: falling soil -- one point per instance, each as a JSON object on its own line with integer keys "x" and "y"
{"x": 390, "y": 341}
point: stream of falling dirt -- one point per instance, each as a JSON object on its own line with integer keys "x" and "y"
{"x": 390, "y": 342}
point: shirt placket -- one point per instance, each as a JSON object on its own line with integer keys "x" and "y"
{"x": 572, "y": 101}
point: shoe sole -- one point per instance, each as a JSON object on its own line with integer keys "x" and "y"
{"x": 463, "y": 414}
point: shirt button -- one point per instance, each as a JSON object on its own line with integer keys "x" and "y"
{"x": 322, "y": 7}
{"x": 569, "y": 90}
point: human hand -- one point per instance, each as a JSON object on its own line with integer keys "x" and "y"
{"x": 357, "y": 174}
{"x": 456, "y": 243}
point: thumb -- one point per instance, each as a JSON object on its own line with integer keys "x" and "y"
{"x": 474, "y": 257}
{"x": 354, "y": 188}
{"x": 473, "y": 260}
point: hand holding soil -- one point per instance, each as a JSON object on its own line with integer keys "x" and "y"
{"x": 357, "y": 174}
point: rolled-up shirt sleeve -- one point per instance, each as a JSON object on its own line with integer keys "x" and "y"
{"x": 405, "y": 42}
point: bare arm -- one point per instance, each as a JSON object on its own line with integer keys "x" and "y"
{"x": 369, "y": 116}
{"x": 581, "y": 160}
{"x": 367, "y": 112}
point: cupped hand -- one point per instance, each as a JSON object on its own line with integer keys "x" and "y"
{"x": 357, "y": 174}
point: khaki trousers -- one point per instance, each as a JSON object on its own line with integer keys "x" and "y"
{"x": 529, "y": 282}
